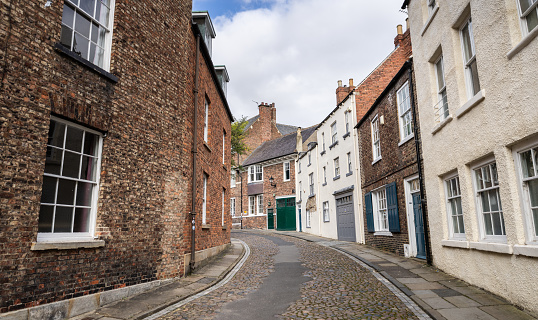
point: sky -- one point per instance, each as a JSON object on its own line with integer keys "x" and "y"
{"x": 293, "y": 52}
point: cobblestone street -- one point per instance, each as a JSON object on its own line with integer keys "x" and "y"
{"x": 334, "y": 286}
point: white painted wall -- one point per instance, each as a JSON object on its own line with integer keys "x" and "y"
{"x": 304, "y": 189}
{"x": 493, "y": 128}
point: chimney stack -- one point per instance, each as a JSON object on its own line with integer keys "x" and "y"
{"x": 299, "y": 143}
{"x": 351, "y": 82}
{"x": 406, "y": 24}
{"x": 399, "y": 37}
{"x": 343, "y": 91}
{"x": 339, "y": 83}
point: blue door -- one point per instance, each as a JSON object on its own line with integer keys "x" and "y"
{"x": 419, "y": 227}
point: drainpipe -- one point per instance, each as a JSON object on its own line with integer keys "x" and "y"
{"x": 194, "y": 155}
{"x": 419, "y": 165}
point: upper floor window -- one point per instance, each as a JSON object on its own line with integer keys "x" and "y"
{"x": 223, "y": 147}
{"x": 528, "y": 12}
{"x": 70, "y": 182}
{"x": 376, "y": 144}
{"x": 206, "y": 118}
{"x": 529, "y": 172}
{"x": 311, "y": 183}
{"x": 326, "y": 211}
{"x": 489, "y": 201}
{"x": 441, "y": 108}
{"x": 454, "y": 209}
{"x": 323, "y": 140}
{"x": 349, "y": 163}
{"x": 86, "y": 29}
{"x": 404, "y": 110}
{"x": 309, "y": 157}
{"x": 469, "y": 59}
{"x": 324, "y": 175}
{"x": 334, "y": 133}
{"x": 204, "y": 201}
{"x": 287, "y": 175}
{"x": 255, "y": 173}
{"x": 346, "y": 116}
{"x": 233, "y": 179}
{"x": 337, "y": 167}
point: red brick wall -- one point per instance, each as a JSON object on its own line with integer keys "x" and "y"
{"x": 262, "y": 130}
{"x": 144, "y": 195}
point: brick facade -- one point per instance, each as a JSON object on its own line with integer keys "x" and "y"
{"x": 398, "y": 162}
{"x": 144, "y": 108}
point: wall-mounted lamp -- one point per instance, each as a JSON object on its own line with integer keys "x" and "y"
{"x": 272, "y": 182}
{"x": 269, "y": 203}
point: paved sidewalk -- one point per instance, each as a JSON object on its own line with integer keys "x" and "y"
{"x": 153, "y": 301}
{"x": 442, "y": 296}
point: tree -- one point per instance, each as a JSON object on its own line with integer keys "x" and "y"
{"x": 238, "y": 139}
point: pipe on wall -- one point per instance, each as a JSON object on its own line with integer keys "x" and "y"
{"x": 194, "y": 154}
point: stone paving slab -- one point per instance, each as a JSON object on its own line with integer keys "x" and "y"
{"x": 466, "y": 313}
{"x": 506, "y": 312}
{"x": 462, "y": 302}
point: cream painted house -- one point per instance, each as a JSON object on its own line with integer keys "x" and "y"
{"x": 476, "y": 65}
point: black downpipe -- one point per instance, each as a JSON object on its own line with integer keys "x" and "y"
{"x": 419, "y": 165}
{"x": 194, "y": 155}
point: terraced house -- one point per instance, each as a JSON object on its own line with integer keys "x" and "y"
{"x": 114, "y": 139}
{"x": 475, "y": 65}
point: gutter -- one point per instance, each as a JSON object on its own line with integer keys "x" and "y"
{"x": 194, "y": 153}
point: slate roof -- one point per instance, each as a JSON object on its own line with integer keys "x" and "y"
{"x": 279, "y": 147}
{"x": 283, "y": 128}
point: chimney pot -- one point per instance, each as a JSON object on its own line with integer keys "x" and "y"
{"x": 406, "y": 23}
{"x": 351, "y": 82}
{"x": 339, "y": 83}
{"x": 399, "y": 29}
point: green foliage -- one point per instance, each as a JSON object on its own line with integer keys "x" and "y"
{"x": 238, "y": 139}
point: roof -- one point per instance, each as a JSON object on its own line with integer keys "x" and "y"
{"x": 284, "y": 129}
{"x": 279, "y": 147}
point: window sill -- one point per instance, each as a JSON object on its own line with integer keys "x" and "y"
{"x": 66, "y": 245}
{"x": 207, "y": 146}
{"x": 474, "y": 101}
{"x": 346, "y": 135}
{"x": 325, "y": 221}
{"x": 324, "y": 184}
{"x": 441, "y": 124}
{"x": 526, "y": 250}
{"x": 429, "y": 21}
{"x": 522, "y": 44}
{"x": 492, "y": 247}
{"x": 206, "y": 226}
{"x": 376, "y": 160}
{"x": 308, "y": 165}
{"x": 323, "y": 152}
{"x": 455, "y": 243}
{"x": 224, "y": 167}
{"x": 63, "y": 50}
{"x": 286, "y": 180}
{"x": 348, "y": 174}
{"x": 333, "y": 145}
{"x": 383, "y": 233}
{"x": 409, "y": 137}
{"x": 336, "y": 178}
{"x": 311, "y": 196}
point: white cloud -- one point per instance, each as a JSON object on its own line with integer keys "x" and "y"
{"x": 294, "y": 52}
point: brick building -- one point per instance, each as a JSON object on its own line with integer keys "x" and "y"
{"x": 96, "y": 136}
{"x": 388, "y": 142}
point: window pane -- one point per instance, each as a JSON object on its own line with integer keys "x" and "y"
{"x": 66, "y": 192}
{"x": 479, "y": 179}
{"x": 82, "y": 220}
{"x": 494, "y": 204}
{"x": 535, "y": 216}
{"x": 45, "y": 218}
{"x": 486, "y": 176}
{"x": 81, "y": 46}
{"x": 63, "y": 219}
{"x": 56, "y": 134}
{"x": 84, "y": 194}
{"x": 66, "y": 36}
{"x": 88, "y": 6}
{"x": 48, "y": 193}
{"x": 82, "y": 25}
{"x": 104, "y": 14}
{"x": 71, "y": 164}
{"x": 68, "y": 16}
{"x": 455, "y": 224}
{"x": 467, "y": 47}
{"x": 53, "y": 160}
{"x": 532, "y": 20}
{"x": 474, "y": 75}
{"x": 497, "y": 229}
{"x": 525, "y": 4}
{"x": 533, "y": 192}
{"x": 458, "y": 206}
{"x": 74, "y": 139}
{"x": 487, "y": 221}
{"x": 93, "y": 47}
{"x": 462, "y": 226}
{"x": 485, "y": 202}
{"x": 526, "y": 164}
{"x": 95, "y": 32}
{"x": 440, "y": 76}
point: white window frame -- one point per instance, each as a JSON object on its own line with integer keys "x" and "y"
{"x": 223, "y": 195}
{"x": 255, "y": 173}
{"x": 527, "y": 208}
{"x": 346, "y": 118}
{"x": 441, "y": 108}
{"x": 251, "y": 205}
{"x": 405, "y": 116}
{"x": 349, "y": 168}
{"x": 259, "y": 204}
{"x": 469, "y": 79}
{"x": 232, "y": 207}
{"x": 376, "y": 139}
{"x": 334, "y": 133}
{"x": 452, "y": 194}
{"x": 204, "y": 201}
{"x": 233, "y": 179}
{"x": 287, "y": 171}
{"x": 336, "y": 163}
{"x": 311, "y": 183}
{"x": 308, "y": 219}
{"x": 326, "y": 216}
{"x": 380, "y": 210}
{"x": 479, "y": 192}
{"x": 324, "y": 175}
{"x": 524, "y": 15}
{"x": 223, "y": 147}
{"x": 206, "y": 118}
{"x": 75, "y": 236}
{"x": 323, "y": 140}
{"x": 107, "y": 41}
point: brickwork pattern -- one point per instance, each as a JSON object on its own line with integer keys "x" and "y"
{"x": 144, "y": 195}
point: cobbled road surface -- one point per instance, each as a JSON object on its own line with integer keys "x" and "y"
{"x": 289, "y": 278}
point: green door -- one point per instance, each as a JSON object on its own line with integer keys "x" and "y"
{"x": 285, "y": 214}
{"x": 270, "y": 219}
